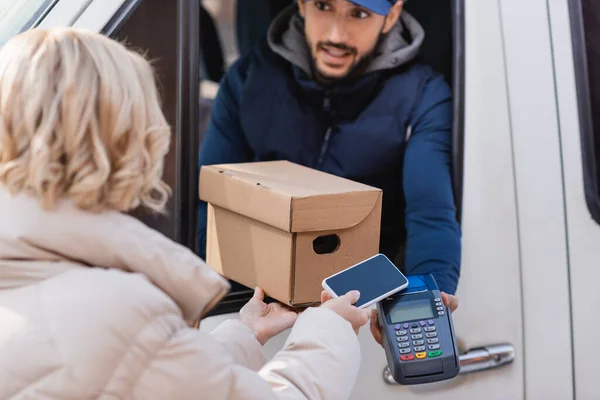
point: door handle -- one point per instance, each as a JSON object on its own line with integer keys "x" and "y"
{"x": 479, "y": 359}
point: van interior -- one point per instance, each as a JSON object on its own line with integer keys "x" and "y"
{"x": 210, "y": 42}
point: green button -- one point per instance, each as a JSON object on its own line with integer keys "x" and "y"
{"x": 436, "y": 353}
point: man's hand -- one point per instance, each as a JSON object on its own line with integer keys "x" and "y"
{"x": 449, "y": 300}
{"x": 266, "y": 320}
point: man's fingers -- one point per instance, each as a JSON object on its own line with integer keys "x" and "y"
{"x": 374, "y": 326}
{"x": 446, "y": 299}
{"x": 352, "y": 296}
{"x": 450, "y": 301}
{"x": 374, "y": 330}
{"x": 455, "y": 303}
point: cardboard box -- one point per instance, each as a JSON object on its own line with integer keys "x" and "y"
{"x": 285, "y": 228}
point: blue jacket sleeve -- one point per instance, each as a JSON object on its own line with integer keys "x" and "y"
{"x": 225, "y": 141}
{"x": 433, "y": 233}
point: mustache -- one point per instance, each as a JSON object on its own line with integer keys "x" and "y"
{"x": 339, "y": 46}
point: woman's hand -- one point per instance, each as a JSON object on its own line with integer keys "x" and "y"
{"x": 449, "y": 300}
{"x": 344, "y": 307}
{"x": 266, "y": 320}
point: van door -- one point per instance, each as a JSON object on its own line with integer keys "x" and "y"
{"x": 576, "y": 42}
{"x": 528, "y": 45}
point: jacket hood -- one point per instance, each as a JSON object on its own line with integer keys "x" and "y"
{"x": 286, "y": 37}
{"x": 38, "y": 244}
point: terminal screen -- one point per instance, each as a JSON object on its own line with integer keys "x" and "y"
{"x": 411, "y": 310}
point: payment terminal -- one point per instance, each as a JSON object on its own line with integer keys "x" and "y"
{"x": 418, "y": 334}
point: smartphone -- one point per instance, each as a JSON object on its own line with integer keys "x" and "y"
{"x": 375, "y": 278}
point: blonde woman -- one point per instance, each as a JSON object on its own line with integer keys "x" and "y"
{"x": 93, "y": 304}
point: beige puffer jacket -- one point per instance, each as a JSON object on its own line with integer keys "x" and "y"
{"x": 94, "y": 306}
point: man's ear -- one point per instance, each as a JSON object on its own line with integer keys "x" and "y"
{"x": 302, "y": 7}
{"x": 391, "y": 18}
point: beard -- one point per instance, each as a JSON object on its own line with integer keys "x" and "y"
{"x": 355, "y": 71}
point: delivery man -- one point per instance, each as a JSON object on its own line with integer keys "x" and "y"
{"x": 335, "y": 87}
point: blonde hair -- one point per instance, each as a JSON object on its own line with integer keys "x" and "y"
{"x": 80, "y": 119}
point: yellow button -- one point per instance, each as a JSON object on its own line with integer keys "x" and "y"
{"x": 421, "y": 355}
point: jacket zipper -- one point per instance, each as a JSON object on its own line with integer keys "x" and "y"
{"x": 324, "y": 148}
{"x": 326, "y": 139}
{"x": 408, "y": 133}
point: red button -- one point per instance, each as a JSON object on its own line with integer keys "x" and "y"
{"x": 407, "y": 357}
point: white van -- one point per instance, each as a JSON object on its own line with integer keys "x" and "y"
{"x": 526, "y": 81}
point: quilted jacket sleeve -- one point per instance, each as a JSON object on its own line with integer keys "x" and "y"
{"x": 320, "y": 360}
{"x": 433, "y": 234}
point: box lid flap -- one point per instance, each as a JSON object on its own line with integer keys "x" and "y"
{"x": 331, "y": 212}
{"x": 288, "y": 196}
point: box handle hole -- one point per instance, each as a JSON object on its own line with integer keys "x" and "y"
{"x": 326, "y": 244}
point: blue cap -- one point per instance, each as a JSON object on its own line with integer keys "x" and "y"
{"x": 381, "y": 7}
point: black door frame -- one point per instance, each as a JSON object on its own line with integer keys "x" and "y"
{"x": 184, "y": 212}
{"x": 188, "y": 120}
